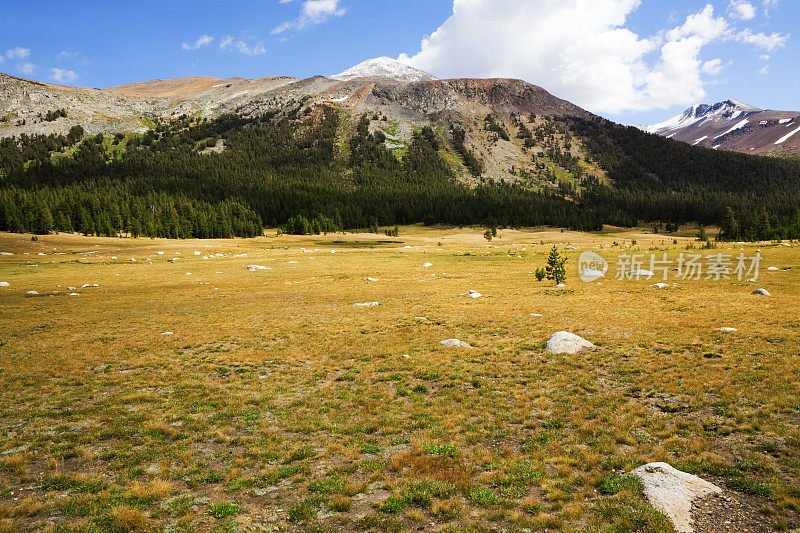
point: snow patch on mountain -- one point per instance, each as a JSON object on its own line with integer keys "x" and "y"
{"x": 383, "y": 67}
{"x": 738, "y": 126}
{"x": 727, "y": 110}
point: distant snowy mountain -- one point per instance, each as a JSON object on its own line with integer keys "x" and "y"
{"x": 384, "y": 67}
{"x": 732, "y": 125}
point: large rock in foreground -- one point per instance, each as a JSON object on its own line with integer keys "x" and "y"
{"x": 672, "y": 492}
{"x": 565, "y": 342}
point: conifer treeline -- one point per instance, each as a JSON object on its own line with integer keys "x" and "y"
{"x": 661, "y": 180}
{"x": 296, "y": 174}
{"x": 271, "y": 172}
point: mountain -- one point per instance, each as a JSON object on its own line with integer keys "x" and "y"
{"x": 403, "y": 105}
{"x": 383, "y": 67}
{"x": 218, "y": 157}
{"x": 734, "y": 126}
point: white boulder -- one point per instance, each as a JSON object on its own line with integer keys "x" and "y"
{"x": 367, "y": 304}
{"x": 561, "y": 286}
{"x": 472, "y": 294}
{"x": 32, "y": 293}
{"x": 565, "y": 342}
{"x": 254, "y": 268}
{"x": 641, "y": 274}
{"x": 660, "y": 285}
{"x": 762, "y": 292}
{"x": 672, "y": 492}
{"x": 372, "y": 279}
{"x": 427, "y": 265}
{"x": 773, "y": 269}
{"x": 591, "y": 274}
{"x": 728, "y": 330}
{"x": 4, "y": 284}
{"x": 455, "y": 343}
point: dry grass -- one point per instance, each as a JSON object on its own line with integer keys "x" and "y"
{"x": 279, "y": 402}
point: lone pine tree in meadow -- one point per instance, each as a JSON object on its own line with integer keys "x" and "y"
{"x": 555, "y": 267}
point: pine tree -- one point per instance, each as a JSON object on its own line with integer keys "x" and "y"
{"x": 555, "y": 267}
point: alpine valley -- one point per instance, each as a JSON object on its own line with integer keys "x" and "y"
{"x": 380, "y": 144}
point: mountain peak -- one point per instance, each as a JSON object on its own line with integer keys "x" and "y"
{"x": 725, "y": 110}
{"x": 383, "y": 67}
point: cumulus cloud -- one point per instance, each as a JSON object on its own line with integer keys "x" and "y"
{"x": 201, "y": 42}
{"x": 27, "y": 68}
{"x": 742, "y": 9}
{"x": 17, "y": 53}
{"x": 581, "y": 50}
{"x": 241, "y": 46}
{"x": 62, "y": 75}
{"x": 312, "y": 12}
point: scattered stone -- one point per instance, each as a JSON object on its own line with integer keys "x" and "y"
{"x": 641, "y": 273}
{"x": 561, "y": 286}
{"x": 472, "y": 294}
{"x": 254, "y": 268}
{"x": 536, "y": 315}
{"x": 569, "y": 343}
{"x": 32, "y": 293}
{"x": 367, "y": 304}
{"x": 6, "y": 253}
{"x": 427, "y": 265}
{"x": 74, "y": 294}
{"x": 4, "y": 284}
{"x": 570, "y": 248}
{"x": 455, "y": 343}
{"x": 774, "y": 269}
{"x": 762, "y": 292}
{"x": 372, "y": 279}
{"x": 159, "y": 253}
{"x": 728, "y": 330}
{"x": 672, "y": 492}
{"x": 591, "y": 274}
{"x": 660, "y": 285}
{"x": 784, "y": 244}
{"x": 168, "y": 333}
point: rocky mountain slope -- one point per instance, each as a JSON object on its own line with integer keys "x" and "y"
{"x": 734, "y": 126}
{"x": 402, "y": 98}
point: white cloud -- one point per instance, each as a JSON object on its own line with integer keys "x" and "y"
{"x": 742, "y": 9}
{"x": 312, "y": 12}
{"x": 241, "y": 46}
{"x": 27, "y": 68}
{"x": 63, "y": 75}
{"x": 581, "y": 50}
{"x": 762, "y": 41}
{"x": 712, "y": 67}
{"x": 18, "y": 53}
{"x": 764, "y": 70}
{"x": 201, "y": 42}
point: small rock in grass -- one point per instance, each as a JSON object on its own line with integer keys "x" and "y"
{"x": 372, "y": 279}
{"x": 455, "y": 343}
{"x": 472, "y": 294}
{"x": 74, "y": 294}
{"x": 762, "y": 292}
{"x": 660, "y": 285}
{"x": 4, "y": 284}
{"x": 367, "y": 304}
{"x": 561, "y": 286}
{"x": 32, "y": 293}
{"x": 253, "y": 268}
{"x": 168, "y": 333}
{"x": 728, "y": 330}
{"x": 774, "y": 269}
{"x": 427, "y": 265}
{"x": 641, "y": 274}
{"x": 565, "y": 342}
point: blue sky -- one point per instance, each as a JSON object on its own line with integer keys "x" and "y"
{"x": 635, "y": 61}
